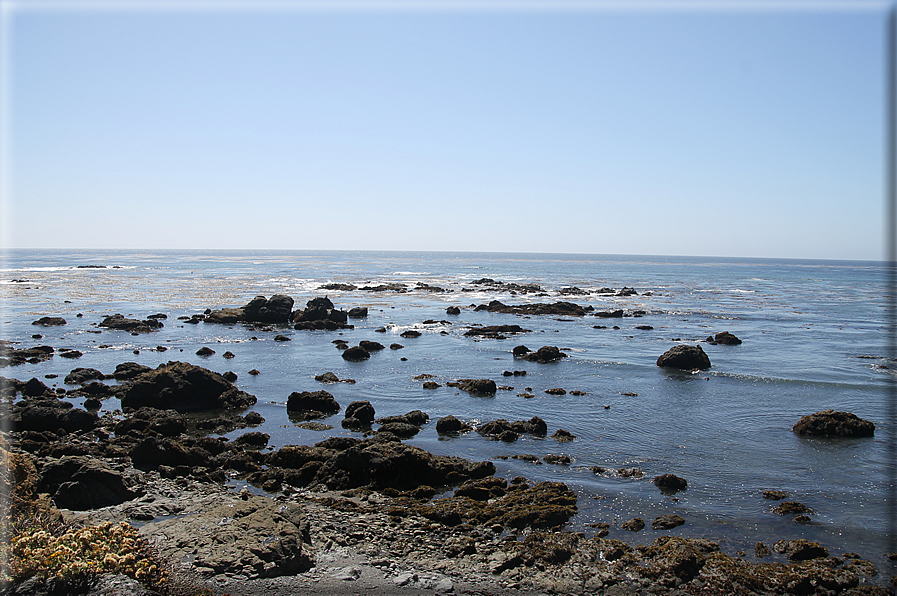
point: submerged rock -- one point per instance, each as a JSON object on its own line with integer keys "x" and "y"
{"x": 829, "y": 423}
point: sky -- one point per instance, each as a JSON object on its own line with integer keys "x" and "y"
{"x": 744, "y": 129}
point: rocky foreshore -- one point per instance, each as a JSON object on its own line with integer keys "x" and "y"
{"x": 351, "y": 515}
{"x": 364, "y": 514}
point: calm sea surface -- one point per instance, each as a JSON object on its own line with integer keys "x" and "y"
{"x": 813, "y": 332}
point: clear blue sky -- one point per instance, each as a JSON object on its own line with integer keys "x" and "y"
{"x": 686, "y": 129}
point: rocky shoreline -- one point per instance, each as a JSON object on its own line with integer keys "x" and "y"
{"x": 349, "y": 515}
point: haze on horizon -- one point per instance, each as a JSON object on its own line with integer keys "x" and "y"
{"x": 747, "y": 130}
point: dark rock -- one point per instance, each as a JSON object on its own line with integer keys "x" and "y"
{"x": 70, "y": 354}
{"x": 410, "y": 333}
{"x": 356, "y": 354}
{"x": 476, "y": 386}
{"x": 534, "y": 426}
{"x": 363, "y": 411}
{"x": 120, "y": 322}
{"x": 339, "y": 287}
{"x": 396, "y": 347}
{"x": 432, "y": 385}
{"x": 775, "y": 495}
{"x": 371, "y": 346}
{"x": 558, "y": 308}
{"x": 725, "y": 338}
{"x": 613, "y": 314}
{"x": 34, "y": 387}
{"x": 230, "y": 376}
{"x": 327, "y": 377}
{"x": 43, "y": 418}
{"x": 259, "y": 537}
{"x": 205, "y": 351}
{"x": 667, "y": 522}
{"x": 275, "y": 310}
{"x": 184, "y": 387}
{"x": 359, "y": 312}
{"x": 252, "y": 440}
{"x": 453, "y": 310}
{"x": 829, "y": 423}
{"x": 415, "y": 417}
{"x": 636, "y": 524}
{"x": 317, "y": 401}
{"x": 557, "y": 459}
{"x": 49, "y": 322}
{"x": 790, "y": 508}
{"x": 556, "y": 391}
{"x": 544, "y": 355}
{"x": 403, "y": 430}
{"x": 83, "y": 375}
{"x": 563, "y": 435}
{"x": 670, "y": 482}
{"x": 146, "y": 421}
{"x": 800, "y": 549}
{"x": 342, "y": 464}
{"x": 545, "y": 505}
{"x": 129, "y": 370}
{"x": 80, "y": 483}
{"x": 495, "y": 331}
{"x": 165, "y": 451}
{"x": 282, "y": 338}
{"x": 684, "y": 357}
{"x": 450, "y": 425}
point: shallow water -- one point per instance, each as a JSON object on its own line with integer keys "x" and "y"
{"x": 813, "y": 335}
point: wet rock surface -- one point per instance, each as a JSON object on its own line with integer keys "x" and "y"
{"x": 684, "y": 357}
{"x": 831, "y": 423}
{"x": 184, "y": 387}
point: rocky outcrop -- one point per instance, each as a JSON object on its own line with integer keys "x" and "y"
{"x": 13, "y": 357}
{"x": 51, "y": 415}
{"x": 516, "y": 505}
{"x": 558, "y": 308}
{"x": 503, "y": 430}
{"x": 684, "y": 357}
{"x": 543, "y": 355}
{"x": 355, "y": 354}
{"x": 830, "y": 423}
{"x": 186, "y": 388}
{"x": 475, "y": 386}
{"x": 255, "y": 537}
{"x": 277, "y": 309}
{"x": 670, "y": 483}
{"x": 83, "y": 375}
{"x": 320, "y": 314}
{"x": 129, "y": 370}
{"x": 122, "y": 323}
{"x": 81, "y": 482}
{"x": 50, "y": 322}
{"x": 725, "y": 338}
{"x": 312, "y": 404}
{"x": 495, "y": 331}
{"x": 359, "y": 312}
{"x": 342, "y": 463}
{"x": 449, "y": 425}
{"x": 359, "y": 415}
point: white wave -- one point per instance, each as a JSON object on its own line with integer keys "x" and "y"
{"x": 411, "y": 273}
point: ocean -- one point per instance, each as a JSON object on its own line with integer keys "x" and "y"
{"x": 814, "y": 338}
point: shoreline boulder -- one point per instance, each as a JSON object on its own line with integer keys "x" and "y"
{"x": 186, "y": 388}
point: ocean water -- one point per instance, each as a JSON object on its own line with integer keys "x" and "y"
{"x": 814, "y": 336}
